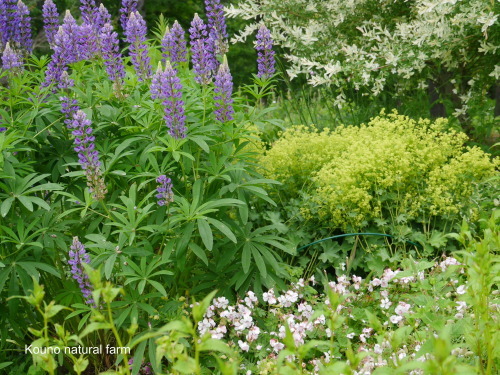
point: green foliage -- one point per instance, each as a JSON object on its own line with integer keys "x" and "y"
{"x": 392, "y": 170}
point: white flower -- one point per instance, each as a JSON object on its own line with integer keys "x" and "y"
{"x": 395, "y": 319}
{"x": 386, "y": 303}
{"x": 276, "y": 345}
{"x": 461, "y": 289}
{"x": 461, "y": 305}
{"x": 243, "y": 345}
{"x": 269, "y": 297}
{"x": 402, "y": 308}
{"x": 377, "y": 349}
{"x": 253, "y": 333}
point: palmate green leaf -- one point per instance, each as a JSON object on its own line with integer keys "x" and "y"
{"x": 198, "y": 251}
{"x": 205, "y": 233}
{"x": 223, "y": 228}
{"x": 108, "y": 265}
{"x": 246, "y": 257}
{"x": 5, "y": 207}
{"x": 259, "y": 261}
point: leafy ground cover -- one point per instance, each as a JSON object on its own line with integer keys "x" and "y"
{"x": 153, "y": 218}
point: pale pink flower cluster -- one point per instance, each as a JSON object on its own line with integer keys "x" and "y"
{"x": 238, "y": 324}
{"x": 450, "y": 261}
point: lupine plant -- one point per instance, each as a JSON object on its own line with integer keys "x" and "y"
{"x": 135, "y": 214}
{"x": 148, "y": 178}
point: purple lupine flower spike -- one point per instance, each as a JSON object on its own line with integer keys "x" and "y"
{"x": 4, "y": 25}
{"x": 174, "y": 45}
{"x": 202, "y": 57}
{"x": 10, "y": 59}
{"x": 167, "y": 87}
{"x": 89, "y": 10}
{"x": 217, "y": 26}
{"x": 3, "y": 129}
{"x": 223, "y": 90}
{"x": 50, "y": 20}
{"x": 265, "y": 58}
{"x": 65, "y": 82}
{"x": 67, "y": 43}
{"x": 87, "y": 41}
{"x": 9, "y": 24}
{"x": 165, "y": 194}
{"x": 136, "y": 36}
{"x": 57, "y": 64}
{"x": 88, "y": 157}
{"x": 128, "y": 6}
{"x": 77, "y": 256}
{"x": 103, "y": 17}
{"x": 69, "y": 107}
{"x": 23, "y": 26}
{"x": 110, "y": 51}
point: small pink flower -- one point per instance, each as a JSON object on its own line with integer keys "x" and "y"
{"x": 243, "y": 345}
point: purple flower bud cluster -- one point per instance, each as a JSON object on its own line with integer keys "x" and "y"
{"x": 3, "y": 129}
{"x": 72, "y": 43}
{"x": 128, "y": 6}
{"x": 223, "y": 90}
{"x": 66, "y": 50}
{"x": 135, "y": 33}
{"x": 89, "y": 10}
{"x": 102, "y": 17}
{"x": 201, "y": 54}
{"x": 15, "y": 25}
{"x": 68, "y": 108}
{"x": 167, "y": 87}
{"x": 65, "y": 82}
{"x": 10, "y": 59}
{"x": 87, "y": 41}
{"x": 173, "y": 45}
{"x": 23, "y": 27}
{"x": 67, "y": 40}
{"x": 77, "y": 257}
{"x": 7, "y": 26}
{"x": 217, "y": 26}
{"x": 88, "y": 156}
{"x": 50, "y": 20}
{"x": 265, "y": 53}
{"x": 165, "y": 194}
{"x": 110, "y": 51}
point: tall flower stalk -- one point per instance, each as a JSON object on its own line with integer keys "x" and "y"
{"x": 223, "y": 89}
{"x": 110, "y": 51}
{"x": 88, "y": 156}
{"x": 128, "y": 6}
{"x": 167, "y": 87}
{"x": 173, "y": 45}
{"x": 201, "y": 54}
{"x": 217, "y": 26}
{"x": 77, "y": 257}
{"x": 50, "y": 20}
{"x": 265, "y": 53}
{"x": 22, "y": 24}
{"x": 10, "y": 59}
{"x": 89, "y": 11}
{"x": 135, "y": 33}
{"x": 165, "y": 194}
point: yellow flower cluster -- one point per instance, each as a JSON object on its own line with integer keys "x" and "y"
{"x": 390, "y": 167}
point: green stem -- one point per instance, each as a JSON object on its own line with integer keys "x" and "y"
{"x": 117, "y": 337}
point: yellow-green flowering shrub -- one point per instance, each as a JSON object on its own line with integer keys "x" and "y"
{"x": 393, "y": 167}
